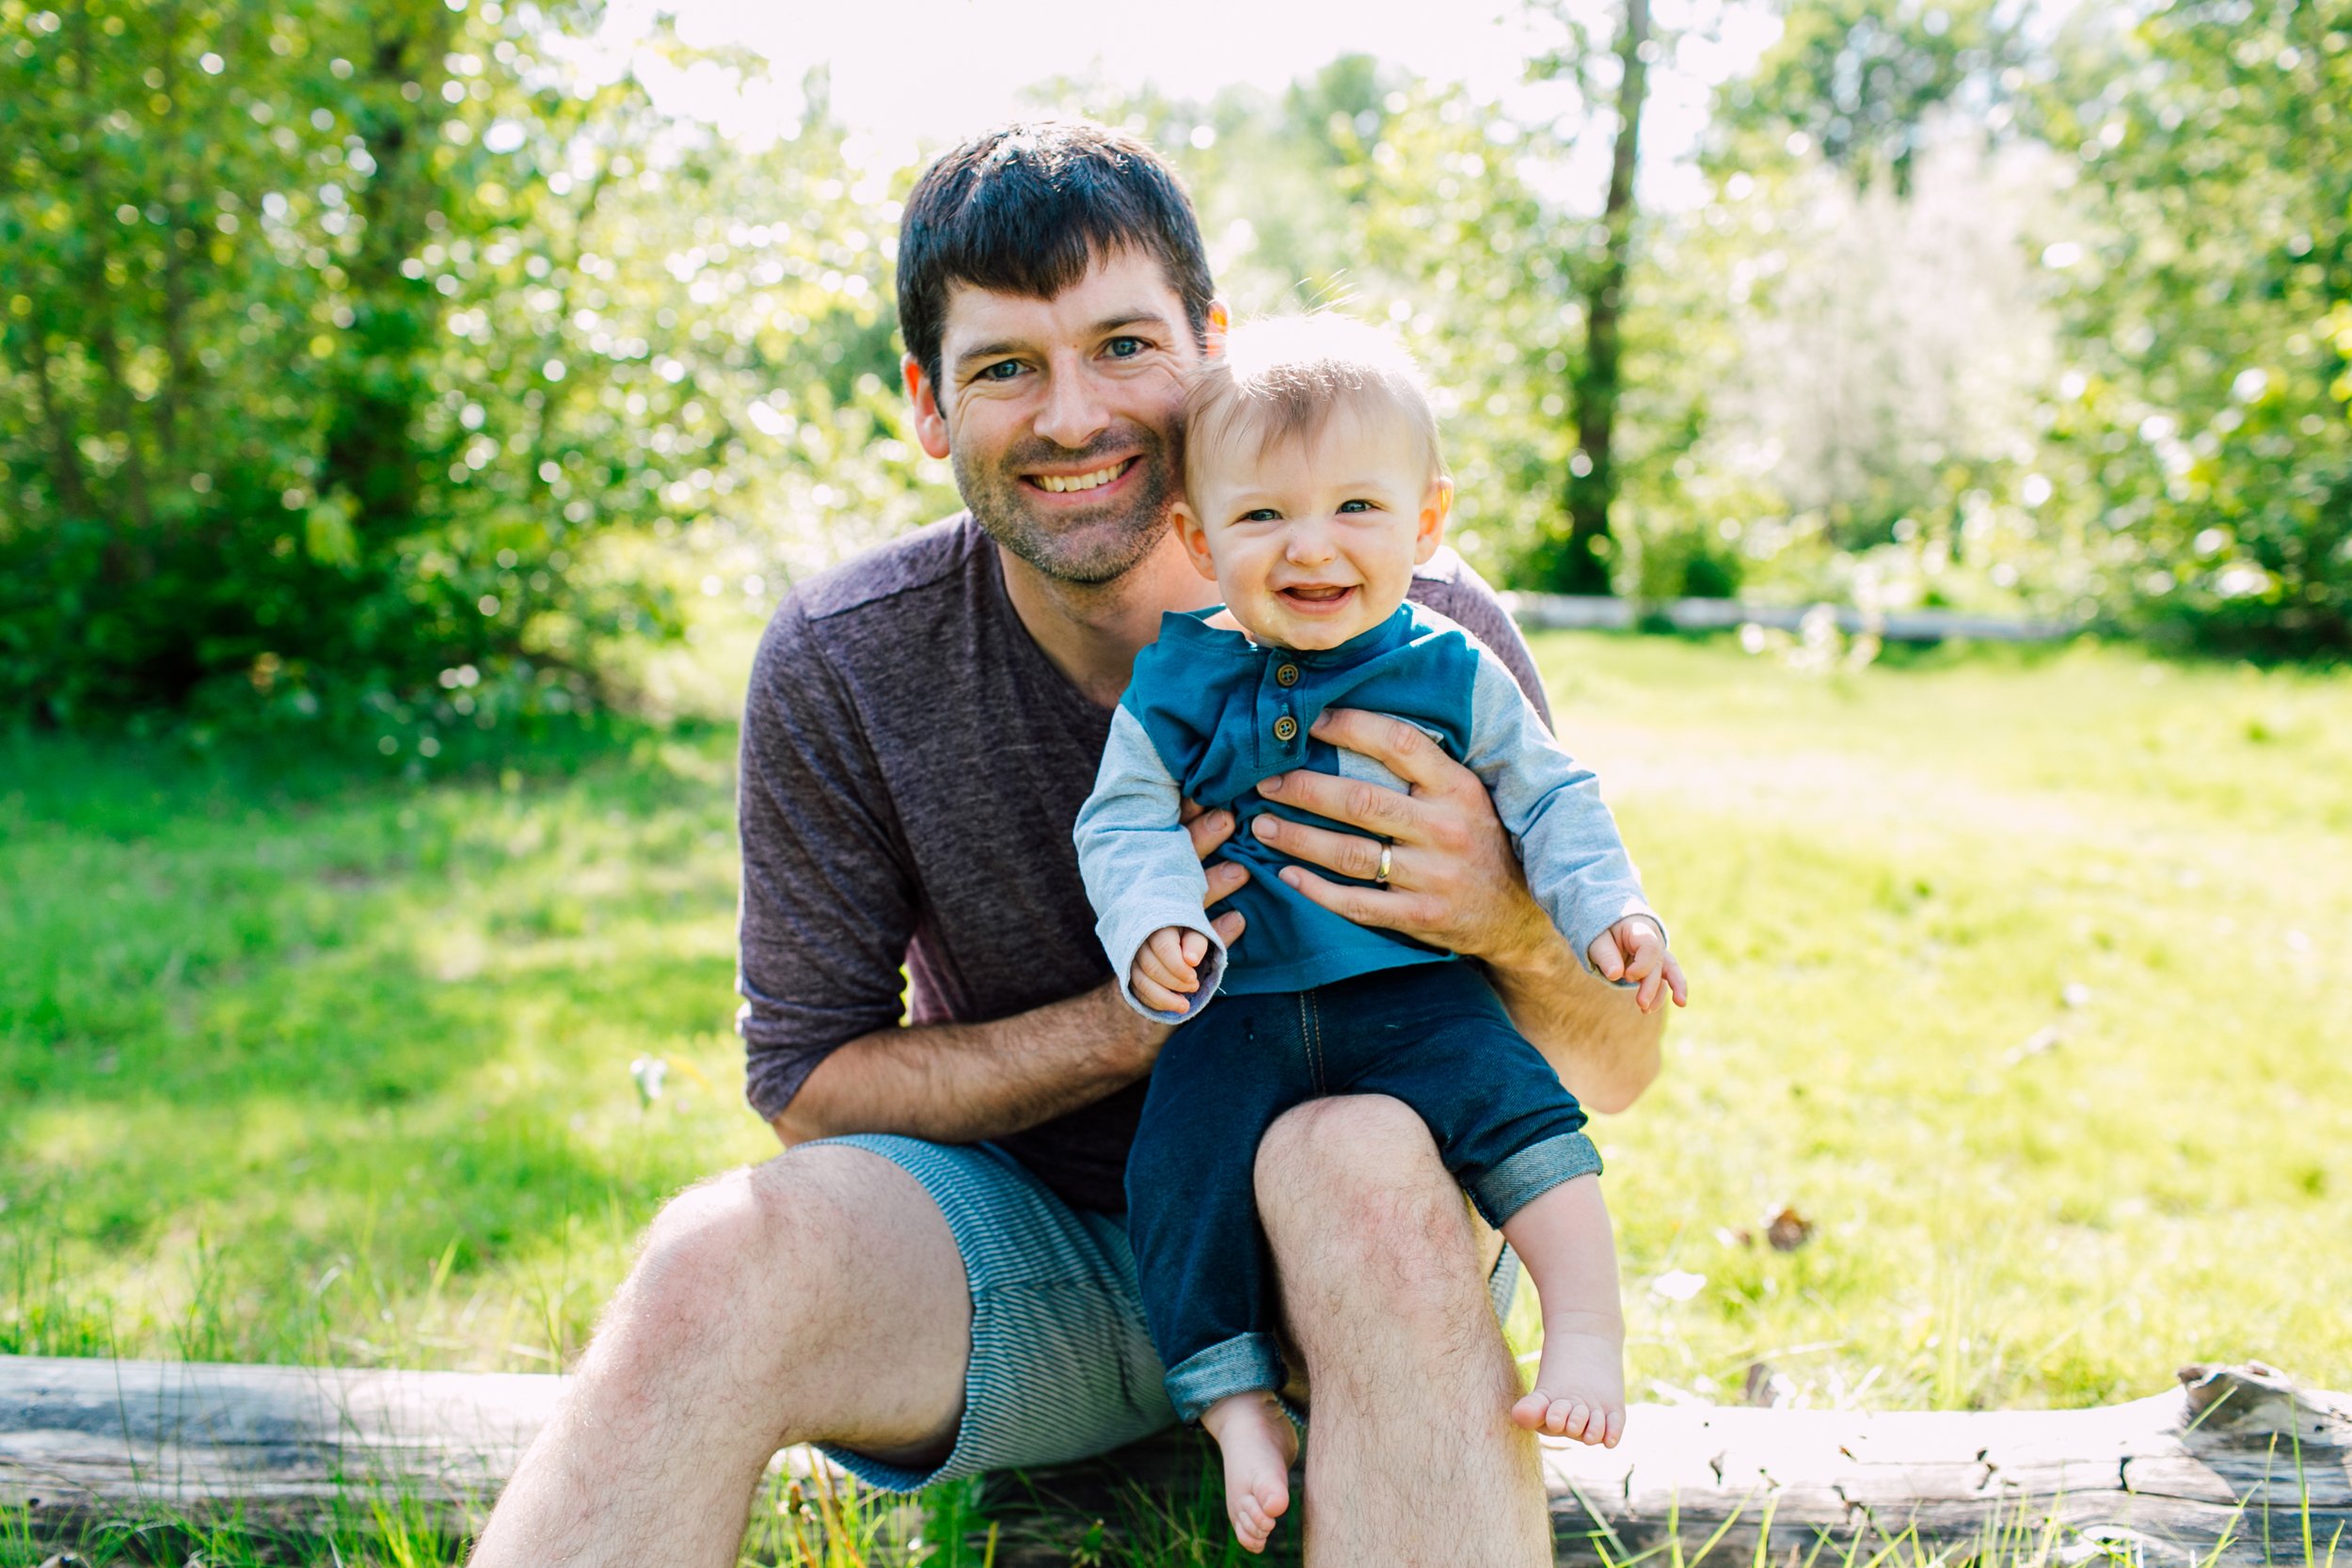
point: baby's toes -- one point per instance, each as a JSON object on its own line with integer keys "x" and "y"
{"x": 1529, "y": 1412}
{"x": 1251, "y": 1527}
{"x": 1556, "y": 1418}
{"x": 1616, "y": 1427}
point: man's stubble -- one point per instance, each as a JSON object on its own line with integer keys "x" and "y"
{"x": 1088, "y": 550}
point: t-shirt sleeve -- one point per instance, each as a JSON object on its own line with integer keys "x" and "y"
{"x": 828, "y": 903}
{"x": 1462, "y": 597}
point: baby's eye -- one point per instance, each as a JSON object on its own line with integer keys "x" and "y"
{"x": 1358, "y": 506}
{"x": 1262, "y": 514}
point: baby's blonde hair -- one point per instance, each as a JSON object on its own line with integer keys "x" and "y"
{"x": 1282, "y": 378}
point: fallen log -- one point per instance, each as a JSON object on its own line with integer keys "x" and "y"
{"x": 2237, "y": 1466}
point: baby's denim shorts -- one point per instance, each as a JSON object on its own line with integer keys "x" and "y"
{"x": 1062, "y": 1366}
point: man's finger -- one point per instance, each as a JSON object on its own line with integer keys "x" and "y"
{"x": 1389, "y": 910}
{"x": 1349, "y": 854}
{"x": 1225, "y": 878}
{"x": 1229, "y": 926}
{"x": 1409, "y": 752}
{"x": 1209, "y": 829}
{"x": 1606, "y": 956}
{"x": 1358, "y": 803}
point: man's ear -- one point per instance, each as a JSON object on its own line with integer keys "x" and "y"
{"x": 1220, "y": 322}
{"x": 1436, "y": 507}
{"x": 1194, "y": 535}
{"x": 930, "y": 421}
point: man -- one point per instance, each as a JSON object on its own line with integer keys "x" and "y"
{"x": 939, "y": 1286}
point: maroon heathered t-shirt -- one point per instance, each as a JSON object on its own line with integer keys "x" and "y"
{"x": 912, "y": 765}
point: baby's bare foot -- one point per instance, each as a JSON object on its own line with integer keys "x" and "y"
{"x": 1258, "y": 1444}
{"x": 1578, "y": 1392}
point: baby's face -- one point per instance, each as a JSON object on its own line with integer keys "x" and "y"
{"x": 1316, "y": 540}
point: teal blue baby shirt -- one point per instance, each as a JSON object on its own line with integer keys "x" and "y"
{"x": 1208, "y": 714}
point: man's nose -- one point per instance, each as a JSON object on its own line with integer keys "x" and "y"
{"x": 1075, "y": 412}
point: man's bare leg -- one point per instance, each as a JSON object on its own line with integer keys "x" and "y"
{"x": 1412, "y": 1456}
{"x": 817, "y": 1295}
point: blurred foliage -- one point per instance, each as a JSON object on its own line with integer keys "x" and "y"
{"x": 2203, "y": 426}
{"x": 363, "y": 353}
{"x": 406, "y": 365}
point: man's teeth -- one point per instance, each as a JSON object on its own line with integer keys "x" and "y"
{"x": 1080, "y": 481}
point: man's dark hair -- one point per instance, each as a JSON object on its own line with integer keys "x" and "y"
{"x": 1027, "y": 208}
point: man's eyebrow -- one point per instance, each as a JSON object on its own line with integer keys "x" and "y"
{"x": 1133, "y": 317}
{"x": 989, "y": 351}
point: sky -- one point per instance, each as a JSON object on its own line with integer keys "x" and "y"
{"x": 916, "y": 75}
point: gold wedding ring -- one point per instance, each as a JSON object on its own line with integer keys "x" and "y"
{"x": 1380, "y": 878}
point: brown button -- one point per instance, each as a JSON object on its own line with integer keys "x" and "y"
{"x": 1286, "y": 674}
{"x": 1285, "y": 728}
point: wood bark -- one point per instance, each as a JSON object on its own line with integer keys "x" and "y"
{"x": 2234, "y": 1467}
{"x": 1599, "y": 381}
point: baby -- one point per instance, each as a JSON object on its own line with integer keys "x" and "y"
{"x": 1313, "y": 488}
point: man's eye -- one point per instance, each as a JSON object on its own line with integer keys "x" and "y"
{"x": 1125, "y": 348}
{"x": 1003, "y": 370}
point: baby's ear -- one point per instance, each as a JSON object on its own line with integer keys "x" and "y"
{"x": 1195, "y": 536}
{"x": 1436, "y": 507}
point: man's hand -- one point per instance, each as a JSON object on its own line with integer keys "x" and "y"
{"x": 1635, "y": 949}
{"x": 1167, "y": 972}
{"x": 1452, "y": 880}
{"x": 1209, "y": 831}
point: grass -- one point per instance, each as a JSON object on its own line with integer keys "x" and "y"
{"x": 2023, "y": 979}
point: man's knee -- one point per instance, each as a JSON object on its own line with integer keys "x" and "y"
{"x": 733, "y": 1270}
{"x": 1351, "y": 1189}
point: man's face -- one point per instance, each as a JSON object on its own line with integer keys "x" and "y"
{"x": 1059, "y": 415}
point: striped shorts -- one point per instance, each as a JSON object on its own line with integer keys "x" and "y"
{"x": 1061, "y": 1365}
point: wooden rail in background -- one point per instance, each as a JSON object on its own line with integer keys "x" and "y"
{"x": 2228, "y": 1467}
{"x": 1599, "y": 612}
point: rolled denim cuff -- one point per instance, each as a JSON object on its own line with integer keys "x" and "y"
{"x": 1534, "y": 1171}
{"x": 1233, "y": 1365}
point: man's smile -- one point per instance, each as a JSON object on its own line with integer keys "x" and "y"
{"x": 1094, "y": 479}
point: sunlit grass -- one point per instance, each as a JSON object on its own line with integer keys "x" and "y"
{"x": 333, "y": 1068}
{"x": 2023, "y": 979}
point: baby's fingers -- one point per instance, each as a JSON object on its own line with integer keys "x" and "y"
{"x": 1676, "y": 983}
{"x": 1196, "y": 948}
{"x": 1161, "y": 961}
{"x": 1606, "y": 956}
{"x": 1154, "y": 995}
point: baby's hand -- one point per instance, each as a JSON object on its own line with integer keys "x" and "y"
{"x": 1635, "y": 949}
{"x": 1168, "y": 969}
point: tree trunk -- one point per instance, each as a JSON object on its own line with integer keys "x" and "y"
{"x": 1583, "y": 566}
{"x": 377, "y": 385}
